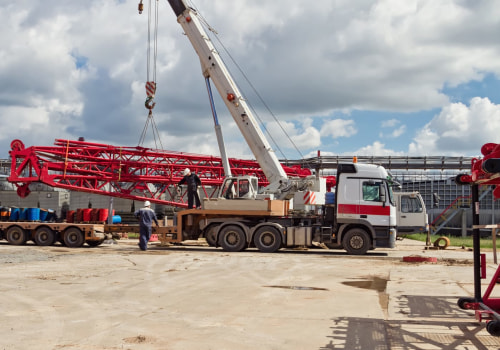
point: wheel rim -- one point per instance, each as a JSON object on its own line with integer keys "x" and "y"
{"x": 356, "y": 242}
{"x": 232, "y": 238}
{"x": 72, "y": 237}
{"x": 267, "y": 239}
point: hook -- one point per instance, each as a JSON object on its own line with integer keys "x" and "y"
{"x": 150, "y": 104}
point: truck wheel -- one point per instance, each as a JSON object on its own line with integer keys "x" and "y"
{"x": 232, "y": 238}
{"x": 267, "y": 239}
{"x": 73, "y": 237}
{"x": 44, "y": 236}
{"x": 356, "y": 241}
{"x": 16, "y": 235}
{"x": 210, "y": 235}
{"x": 493, "y": 327}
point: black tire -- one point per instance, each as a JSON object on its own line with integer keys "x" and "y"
{"x": 267, "y": 239}
{"x": 464, "y": 302}
{"x": 232, "y": 238}
{"x": 356, "y": 241}
{"x": 493, "y": 327}
{"x": 16, "y": 235}
{"x": 95, "y": 243}
{"x": 73, "y": 237}
{"x": 44, "y": 236}
{"x": 210, "y": 235}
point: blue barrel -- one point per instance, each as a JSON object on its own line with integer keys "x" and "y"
{"x": 330, "y": 198}
{"x": 14, "y": 214}
{"x": 23, "y": 214}
{"x": 43, "y": 214}
{"x": 117, "y": 219}
{"x": 50, "y": 215}
{"x": 33, "y": 214}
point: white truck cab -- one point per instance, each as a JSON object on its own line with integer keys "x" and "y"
{"x": 412, "y": 214}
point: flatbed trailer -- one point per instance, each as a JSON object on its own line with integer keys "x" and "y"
{"x": 72, "y": 235}
{"x": 47, "y": 233}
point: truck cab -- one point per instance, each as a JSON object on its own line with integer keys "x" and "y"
{"x": 412, "y": 214}
{"x": 365, "y": 200}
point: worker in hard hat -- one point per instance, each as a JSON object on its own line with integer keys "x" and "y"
{"x": 192, "y": 181}
{"x": 146, "y": 217}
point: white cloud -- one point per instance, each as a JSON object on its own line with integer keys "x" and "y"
{"x": 376, "y": 149}
{"x": 74, "y": 68}
{"x": 304, "y": 137}
{"x": 338, "y": 128}
{"x": 458, "y": 129}
{"x": 390, "y": 123}
{"x": 398, "y": 132}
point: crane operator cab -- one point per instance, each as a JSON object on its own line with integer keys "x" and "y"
{"x": 241, "y": 187}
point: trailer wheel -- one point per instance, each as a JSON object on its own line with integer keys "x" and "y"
{"x": 73, "y": 237}
{"x": 16, "y": 235}
{"x": 44, "y": 236}
{"x": 210, "y": 235}
{"x": 95, "y": 243}
{"x": 356, "y": 241}
{"x": 232, "y": 238}
{"x": 466, "y": 303}
{"x": 267, "y": 239}
{"x": 493, "y": 327}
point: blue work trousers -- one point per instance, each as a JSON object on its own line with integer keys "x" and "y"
{"x": 144, "y": 236}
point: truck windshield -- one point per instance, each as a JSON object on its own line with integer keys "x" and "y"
{"x": 411, "y": 205}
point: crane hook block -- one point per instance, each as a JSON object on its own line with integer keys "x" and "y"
{"x": 150, "y": 104}
{"x": 140, "y": 7}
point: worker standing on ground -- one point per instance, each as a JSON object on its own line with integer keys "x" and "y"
{"x": 192, "y": 181}
{"x": 146, "y": 216}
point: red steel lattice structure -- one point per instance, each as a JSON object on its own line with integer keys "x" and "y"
{"x": 486, "y": 170}
{"x": 135, "y": 173}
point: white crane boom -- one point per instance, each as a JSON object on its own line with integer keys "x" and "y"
{"x": 213, "y": 67}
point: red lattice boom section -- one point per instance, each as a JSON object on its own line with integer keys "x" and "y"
{"x": 135, "y": 173}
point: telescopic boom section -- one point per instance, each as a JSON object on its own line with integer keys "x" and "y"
{"x": 212, "y": 66}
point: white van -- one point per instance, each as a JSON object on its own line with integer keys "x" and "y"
{"x": 411, "y": 213}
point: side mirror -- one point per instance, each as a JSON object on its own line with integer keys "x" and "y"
{"x": 435, "y": 199}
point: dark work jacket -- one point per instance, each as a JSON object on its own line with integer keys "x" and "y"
{"x": 146, "y": 217}
{"x": 192, "y": 181}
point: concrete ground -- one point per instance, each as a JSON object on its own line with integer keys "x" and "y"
{"x": 195, "y": 297}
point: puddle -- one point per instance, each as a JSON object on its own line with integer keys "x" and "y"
{"x": 296, "y": 287}
{"x": 378, "y": 284}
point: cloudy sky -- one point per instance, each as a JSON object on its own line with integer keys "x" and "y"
{"x": 347, "y": 77}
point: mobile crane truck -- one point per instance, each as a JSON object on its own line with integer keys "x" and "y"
{"x": 289, "y": 212}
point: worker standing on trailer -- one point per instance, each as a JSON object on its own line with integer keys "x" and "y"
{"x": 146, "y": 216}
{"x": 192, "y": 181}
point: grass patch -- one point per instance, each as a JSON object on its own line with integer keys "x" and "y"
{"x": 456, "y": 241}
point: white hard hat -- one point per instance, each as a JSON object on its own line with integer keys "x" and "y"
{"x": 147, "y": 204}
{"x": 186, "y": 171}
